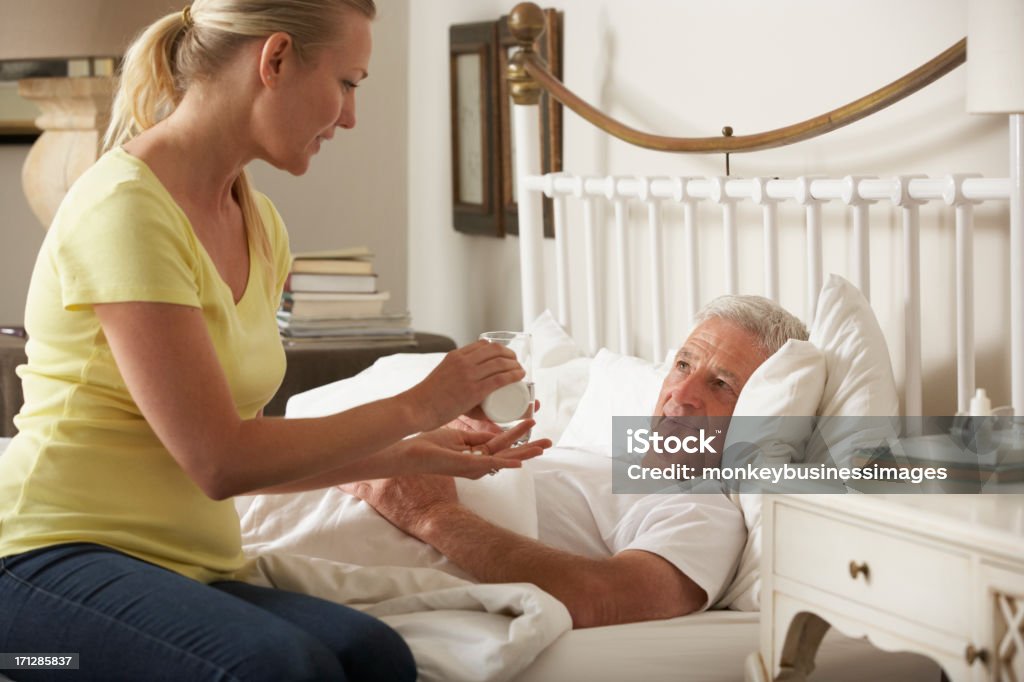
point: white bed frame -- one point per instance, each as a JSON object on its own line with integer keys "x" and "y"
{"x": 956, "y": 194}
{"x": 960, "y": 192}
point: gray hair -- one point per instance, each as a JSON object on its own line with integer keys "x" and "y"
{"x": 772, "y": 324}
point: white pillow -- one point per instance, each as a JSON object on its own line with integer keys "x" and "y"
{"x": 860, "y": 381}
{"x": 775, "y": 411}
{"x": 386, "y": 377}
{"x": 560, "y": 371}
{"x": 618, "y": 385}
{"x": 559, "y": 390}
{"x": 552, "y": 345}
{"x": 786, "y": 387}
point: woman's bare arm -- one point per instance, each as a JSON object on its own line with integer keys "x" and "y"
{"x": 169, "y": 365}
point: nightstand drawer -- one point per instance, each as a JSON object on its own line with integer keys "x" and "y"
{"x": 891, "y": 572}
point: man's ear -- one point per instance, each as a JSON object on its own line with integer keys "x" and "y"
{"x": 277, "y": 48}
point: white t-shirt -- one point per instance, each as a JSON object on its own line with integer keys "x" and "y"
{"x": 700, "y": 534}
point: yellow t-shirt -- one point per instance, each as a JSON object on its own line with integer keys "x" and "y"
{"x": 85, "y": 465}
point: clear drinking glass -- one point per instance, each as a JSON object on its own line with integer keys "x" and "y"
{"x": 510, "y": 405}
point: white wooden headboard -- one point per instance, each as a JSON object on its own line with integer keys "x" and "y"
{"x": 683, "y": 229}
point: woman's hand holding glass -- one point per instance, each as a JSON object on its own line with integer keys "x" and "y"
{"x": 476, "y": 420}
{"x": 459, "y": 384}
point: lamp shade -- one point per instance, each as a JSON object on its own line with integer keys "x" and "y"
{"x": 74, "y": 29}
{"x": 995, "y": 56}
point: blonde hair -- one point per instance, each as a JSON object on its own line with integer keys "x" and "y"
{"x": 182, "y": 47}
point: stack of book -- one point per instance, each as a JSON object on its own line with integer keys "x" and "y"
{"x": 331, "y": 298}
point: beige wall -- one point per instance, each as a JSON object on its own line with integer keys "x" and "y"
{"x": 459, "y": 285}
{"x": 355, "y": 192}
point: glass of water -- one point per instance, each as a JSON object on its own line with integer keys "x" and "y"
{"x": 511, "y": 404}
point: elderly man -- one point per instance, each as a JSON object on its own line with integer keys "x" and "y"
{"x": 613, "y": 558}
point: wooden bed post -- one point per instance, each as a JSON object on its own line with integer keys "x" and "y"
{"x": 527, "y": 23}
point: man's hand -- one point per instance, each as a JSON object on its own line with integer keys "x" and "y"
{"x": 408, "y": 502}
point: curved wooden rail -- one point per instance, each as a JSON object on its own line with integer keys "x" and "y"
{"x": 526, "y": 27}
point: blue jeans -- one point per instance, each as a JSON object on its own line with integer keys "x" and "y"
{"x": 131, "y": 620}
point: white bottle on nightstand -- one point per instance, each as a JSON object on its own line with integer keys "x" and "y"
{"x": 980, "y": 430}
{"x": 980, "y": 406}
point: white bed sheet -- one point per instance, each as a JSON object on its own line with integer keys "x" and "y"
{"x": 706, "y": 647}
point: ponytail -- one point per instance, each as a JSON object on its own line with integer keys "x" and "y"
{"x": 147, "y": 90}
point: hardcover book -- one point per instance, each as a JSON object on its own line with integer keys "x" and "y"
{"x": 297, "y": 281}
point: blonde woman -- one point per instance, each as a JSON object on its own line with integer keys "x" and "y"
{"x": 153, "y": 348}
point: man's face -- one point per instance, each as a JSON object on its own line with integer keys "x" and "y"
{"x": 709, "y": 371}
{"x": 701, "y": 390}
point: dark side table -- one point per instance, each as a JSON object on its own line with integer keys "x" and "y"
{"x": 308, "y": 367}
{"x": 12, "y": 354}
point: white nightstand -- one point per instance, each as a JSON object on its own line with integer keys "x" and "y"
{"x": 938, "y": 575}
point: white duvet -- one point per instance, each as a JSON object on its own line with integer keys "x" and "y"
{"x": 457, "y": 630}
{"x": 331, "y": 545}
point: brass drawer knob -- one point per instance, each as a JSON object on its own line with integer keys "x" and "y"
{"x": 857, "y": 569}
{"x": 973, "y": 655}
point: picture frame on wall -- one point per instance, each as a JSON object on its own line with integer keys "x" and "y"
{"x": 549, "y": 47}
{"x": 474, "y": 130}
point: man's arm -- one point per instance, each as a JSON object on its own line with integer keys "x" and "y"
{"x": 631, "y": 586}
